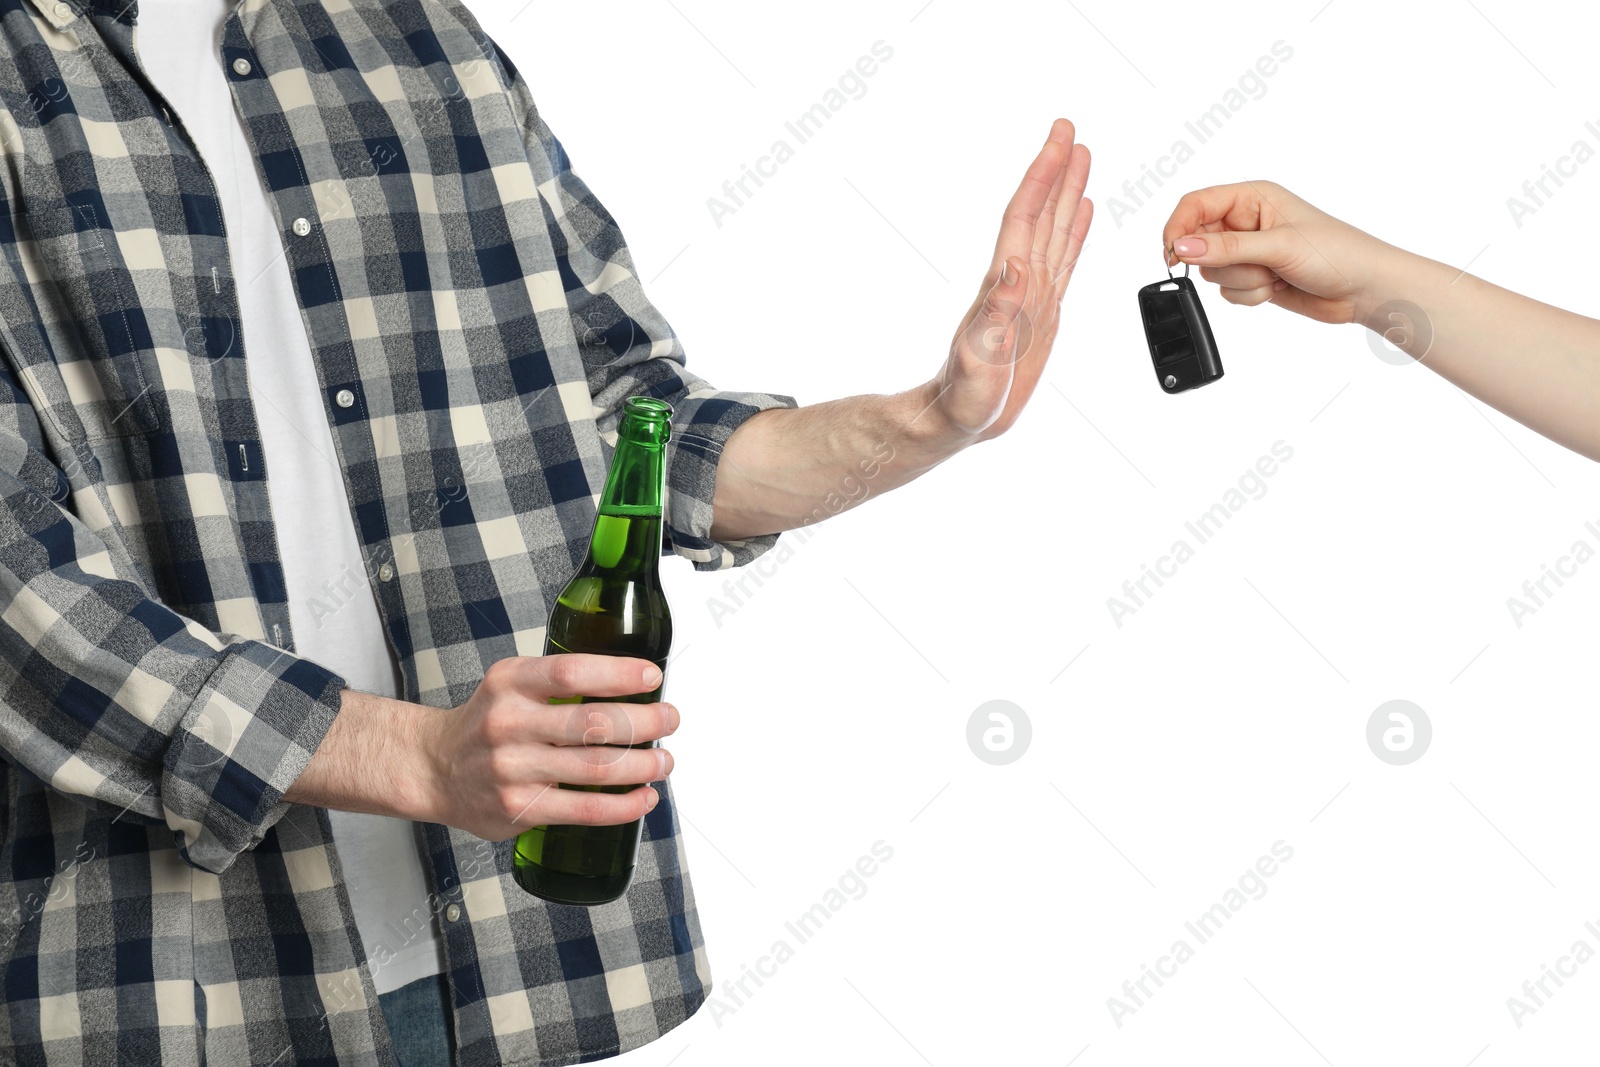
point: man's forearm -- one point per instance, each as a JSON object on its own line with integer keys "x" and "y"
{"x": 367, "y": 761}
{"x": 1537, "y": 363}
{"x": 786, "y": 468}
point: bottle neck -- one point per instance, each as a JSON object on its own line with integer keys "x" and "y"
{"x": 627, "y": 530}
{"x": 635, "y": 483}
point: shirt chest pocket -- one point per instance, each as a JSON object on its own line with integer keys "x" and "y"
{"x": 90, "y": 324}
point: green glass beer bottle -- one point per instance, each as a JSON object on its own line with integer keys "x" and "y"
{"x": 614, "y": 606}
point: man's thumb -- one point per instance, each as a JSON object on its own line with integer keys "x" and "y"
{"x": 994, "y": 331}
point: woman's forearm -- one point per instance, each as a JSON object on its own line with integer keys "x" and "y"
{"x": 1536, "y": 363}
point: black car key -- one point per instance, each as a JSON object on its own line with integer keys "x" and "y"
{"x": 1181, "y": 345}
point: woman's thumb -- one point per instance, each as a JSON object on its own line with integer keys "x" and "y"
{"x": 1227, "y": 247}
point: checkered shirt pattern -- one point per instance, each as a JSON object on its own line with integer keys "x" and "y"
{"x": 476, "y": 323}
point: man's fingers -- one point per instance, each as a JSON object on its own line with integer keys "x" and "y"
{"x": 1044, "y": 231}
{"x": 554, "y": 806}
{"x": 1069, "y": 211}
{"x": 1074, "y": 248}
{"x": 1062, "y": 203}
{"x": 1245, "y": 276}
{"x": 604, "y": 766}
{"x": 1028, "y": 202}
{"x": 545, "y": 678}
{"x": 599, "y": 723}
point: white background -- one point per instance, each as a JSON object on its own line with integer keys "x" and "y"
{"x": 829, "y": 711}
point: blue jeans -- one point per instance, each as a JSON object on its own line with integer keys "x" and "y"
{"x": 419, "y": 1022}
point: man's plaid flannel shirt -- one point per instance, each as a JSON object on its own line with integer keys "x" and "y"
{"x": 159, "y": 903}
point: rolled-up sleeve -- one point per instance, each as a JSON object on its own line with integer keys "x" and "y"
{"x": 118, "y": 702}
{"x": 627, "y": 346}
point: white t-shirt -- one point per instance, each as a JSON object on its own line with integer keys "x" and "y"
{"x": 331, "y": 607}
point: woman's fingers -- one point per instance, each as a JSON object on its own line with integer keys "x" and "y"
{"x": 1244, "y": 276}
{"x": 1227, "y": 248}
{"x": 1260, "y": 243}
{"x": 1203, "y": 211}
{"x": 1247, "y": 297}
{"x": 1232, "y": 207}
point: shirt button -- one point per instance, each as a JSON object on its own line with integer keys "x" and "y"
{"x": 241, "y": 66}
{"x": 453, "y": 913}
{"x": 386, "y": 574}
{"x": 63, "y": 11}
{"x": 301, "y": 227}
{"x": 344, "y": 398}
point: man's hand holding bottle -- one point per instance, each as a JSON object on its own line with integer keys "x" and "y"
{"x": 491, "y": 766}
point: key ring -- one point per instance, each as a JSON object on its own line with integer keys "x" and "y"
{"x": 1169, "y": 269}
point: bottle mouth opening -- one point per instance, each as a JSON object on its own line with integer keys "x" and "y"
{"x": 647, "y": 407}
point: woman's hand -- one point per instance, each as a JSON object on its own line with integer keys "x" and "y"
{"x": 1259, "y": 242}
